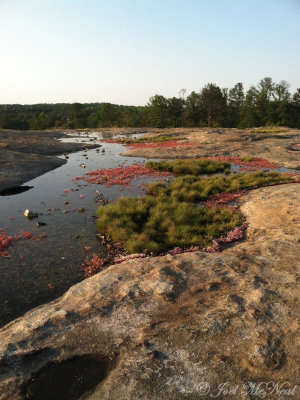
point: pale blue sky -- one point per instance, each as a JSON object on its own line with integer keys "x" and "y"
{"x": 124, "y": 51}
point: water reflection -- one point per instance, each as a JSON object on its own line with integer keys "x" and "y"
{"x": 15, "y": 190}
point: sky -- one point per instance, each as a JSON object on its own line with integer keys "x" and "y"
{"x": 124, "y": 51}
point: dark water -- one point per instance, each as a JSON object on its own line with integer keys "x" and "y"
{"x": 69, "y": 380}
{"x": 42, "y": 269}
{"x": 15, "y": 190}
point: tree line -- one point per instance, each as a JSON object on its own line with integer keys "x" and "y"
{"x": 268, "y": 103}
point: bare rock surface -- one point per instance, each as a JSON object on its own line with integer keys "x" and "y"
{"x": 176, "y": 327}
{"x": 39, "y": 142}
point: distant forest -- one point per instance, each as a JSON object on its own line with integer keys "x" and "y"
{"x": 268, "y": 103}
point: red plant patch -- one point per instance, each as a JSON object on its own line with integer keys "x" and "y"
{"x": 232, "y": 236}
{"x": 120, "y": 259}
{"x": 6, "y": 242}
{"x": 121, "y": 175}
{"x": 179, "y": 250}
{"x": 254, "y": 165}
{"x": 93, "y": 265}
{"x": 224, "y": 198}
{"x": 40, "y": 236}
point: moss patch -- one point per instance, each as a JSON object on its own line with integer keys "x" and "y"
{"x": 153, "y": 139}
{"x": 191, "y": 167}
{"x": 268, "y": 130}
{"x": 194, "y": 189}
{"x": 158, "y": 224}
{"x": 169, "y": 216}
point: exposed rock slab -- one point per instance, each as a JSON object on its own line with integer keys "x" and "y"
{"x": 275, "y": 147}
{"x": 171, "y": 323}
{"x": 39, "y": 142}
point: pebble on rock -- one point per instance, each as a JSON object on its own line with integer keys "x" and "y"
{"x": 39, "y": 224}
{"x": 30, "y": 214}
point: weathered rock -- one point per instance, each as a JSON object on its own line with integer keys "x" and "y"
{"x": 275, "y": 147}
{"x": 176, "y": 327}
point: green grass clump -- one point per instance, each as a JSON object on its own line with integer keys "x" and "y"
{"x": 168, "y": 217}
{"x": 194, "y": 189}
{"x": 268, "y": 130}
{"x": 190, "y": 167}
{"x": 144, "y": 139}
{"x": 247, "y": 158}
{"x": 158, "y": 224}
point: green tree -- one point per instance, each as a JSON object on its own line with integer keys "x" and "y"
{"x": 214, "y": 104}
{"x": 175, "y": 111}
{"x": 249, "y": 116}
{"x": 108, "y": 115}
{"x": 157, "y": 111}
{"x": 182, "y": 93}
{"x": 281, "y": 91}
{"x": 44, "y": 121}
{"x": 193, "y": 108}
{"x": 132, "y": 116}
{"x": 280, "y": 107}
{"x": 295, "y": 109}
{"x": 236, "y": 100}
{"x": 93, "y": 120}
{"x": 77, "y": 116}
{"x": 265, "y": 92}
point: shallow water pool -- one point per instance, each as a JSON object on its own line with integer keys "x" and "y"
{"x": 41, "y": 269}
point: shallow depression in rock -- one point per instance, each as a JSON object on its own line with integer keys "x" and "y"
{"x": 68, "y": 380}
